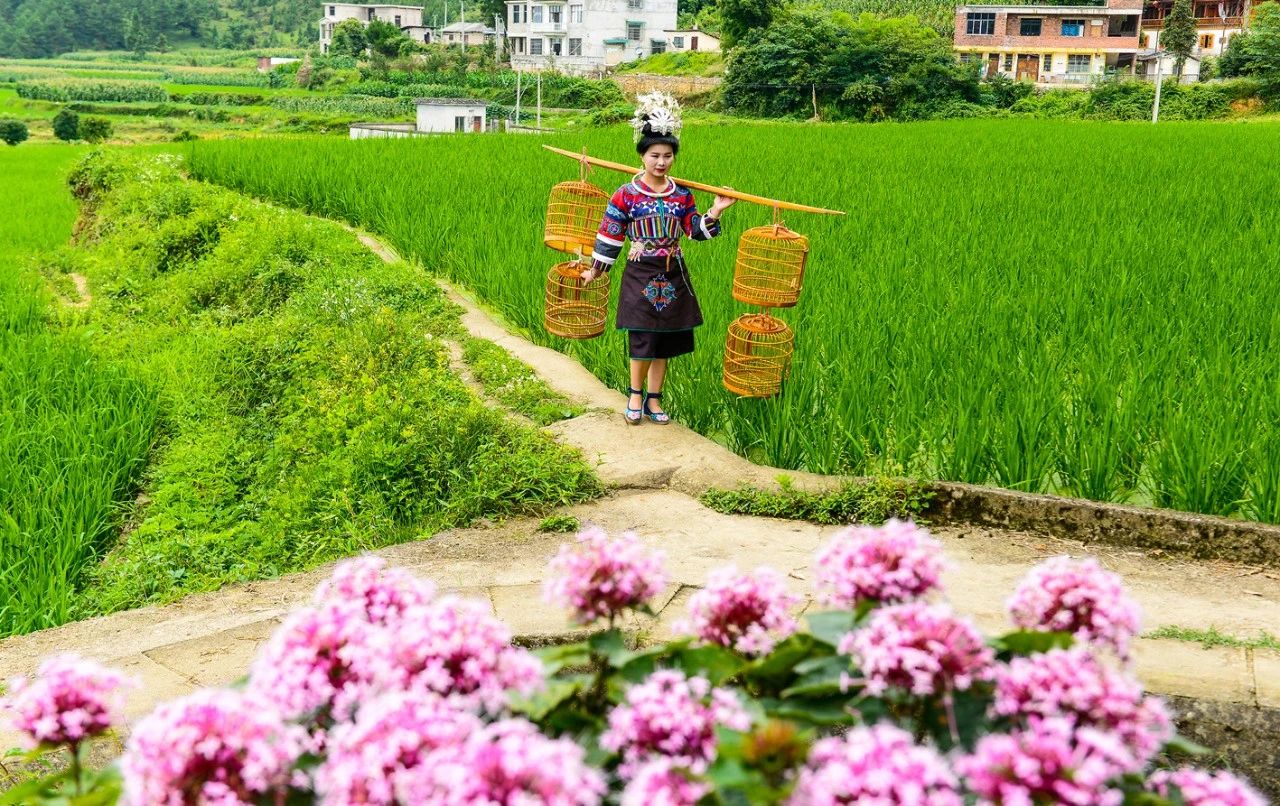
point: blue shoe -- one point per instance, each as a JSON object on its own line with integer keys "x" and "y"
{"x": 633, "y": 416}
{"x": 659, "y": 417}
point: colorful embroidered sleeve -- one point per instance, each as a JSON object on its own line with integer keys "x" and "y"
{"x": 612, "y": 232}
{"x": 696, "y": 226}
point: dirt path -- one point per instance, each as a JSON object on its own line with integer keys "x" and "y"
{"x": 655, "y": 475}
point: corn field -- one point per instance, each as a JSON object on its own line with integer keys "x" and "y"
{"x": 91, "y": 90}
{"x": 1071, "y": 308}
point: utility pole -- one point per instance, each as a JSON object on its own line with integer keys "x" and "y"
{"x": 1155, "y": 107}
{"x": 517, "y": 97}
{"x": 539, "y": 99}
{"x": 462, "y": 40}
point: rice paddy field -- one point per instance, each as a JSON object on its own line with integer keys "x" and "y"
{"x": 74, "y": 433}
{"x": 1078, "y": 308}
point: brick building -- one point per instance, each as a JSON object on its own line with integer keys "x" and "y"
{"x": 1051, "y": 42}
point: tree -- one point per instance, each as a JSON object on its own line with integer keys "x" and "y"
{"x": 66, "y": 125}
{"x": 1179, "y": 34}
{"x": 12, "y": 131}
{"x": 740, "y": 17}
{"x": 1262, "y": 48}
{"x": 382, "y": 38}
{"x": 95, "y": 130}
{"x": 349, "y": 39}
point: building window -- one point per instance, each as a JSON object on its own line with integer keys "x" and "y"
{"x": 460, "y": 123}
{"x": 677, "y": 42}
{"x": 1073, "y": 27}
{"x": 1206, "y": 41}
{"x": 535, "y": 46}
{"x": 1046, "y": 63}
{"x": 633, "y": 31}
{"x": 332, "y": 11}
{"x": 557, "y": 47}
{"x": 556, "y": 13}
{"x": 397, "y": 20}
{"x": 981, "y": 23}
{"x": 1008, "y": 62}
{"x": 515, "y": 15}
{"x": 575, "y": 15}
{"x": 537, "y": 13}
{"x": 657, "y": 46}
{"x": 1079, "y": 64}
{"x": 635, "y": 4}
{"x": 1029, "y": 26}
{"x": 575, "y": 47}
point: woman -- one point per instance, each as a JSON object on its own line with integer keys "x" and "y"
{"x": 656, "y": 306}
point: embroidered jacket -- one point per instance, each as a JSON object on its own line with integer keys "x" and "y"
{"x": 652, "y": 220}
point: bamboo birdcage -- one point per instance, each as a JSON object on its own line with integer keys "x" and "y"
{"x": 575, "y": 310}
{"x": 757, "y": 355}
{"x": 574, "y": 211}
{"x": 770, "y": 267}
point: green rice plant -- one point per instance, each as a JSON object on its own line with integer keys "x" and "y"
{"x": 90, "y": 90}
{"x": 74, "y": 431}
{"x": 992, "y": 310}
{"x": 218, "y": 78}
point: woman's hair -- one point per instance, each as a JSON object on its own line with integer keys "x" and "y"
{"x": 649, "y": 139}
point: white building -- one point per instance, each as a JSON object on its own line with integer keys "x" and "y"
{"x": 586, "y": 36}
{"x": 691, "y": 39}
{"x": 467, "y": 33}
{"x": 407, "y": 18}
{"x": 451, "y": 114}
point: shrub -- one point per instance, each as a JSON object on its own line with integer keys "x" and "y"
{"x": 64, "y": 90}
{"x": 13, "y": 131}
{"x": 66, "y": 125}
{"x": 95, "y": 130}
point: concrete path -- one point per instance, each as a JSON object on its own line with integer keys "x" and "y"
{"x": 655, "y": 475}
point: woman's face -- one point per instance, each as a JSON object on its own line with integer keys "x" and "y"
{"x": 658, "y": 159}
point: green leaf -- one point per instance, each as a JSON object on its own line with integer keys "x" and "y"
{"x": 555, "y": 658}
{"x": 716, "y": 663}
{"x": 611, "y": 645}
{"x": 818, "y": 711}
{"x": 1181, "y": 744}
{"x": 829, "y": 626}
{"x": 775, "y": 670}
{"x": 1029, "y": 642}
{"x": 819, "y": 677}
{"x": 539, "y": 705}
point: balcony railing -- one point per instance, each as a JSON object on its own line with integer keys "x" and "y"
{"x": 1080, "y": 3}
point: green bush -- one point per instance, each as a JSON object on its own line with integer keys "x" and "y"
{"x": 218, "y": 78}
{"x": 66, "y": 125}
{"x": 95, "y": 130}
{"x": 218, "y": 98}
{"x": 352, "y": 106}
{"x": 13, "y": 131}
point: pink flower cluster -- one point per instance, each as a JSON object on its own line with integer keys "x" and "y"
{"x": 673, "y": 716}
{"x": 454, "y": 648}
{"x": 385, "y": 632}
{"x": 1078, "y": 597}
{"x": 1199, "y": 788}
{"x": 508, "y": 762}
{"x": 601, "y": 578}
{"x": 216, "y": 748}
{"x": 896, "y": 562}
{"x": 879, "y": 764}
{"x": 380, "y": 594}
{"x": 1074, "y": 684}
{"x": 71, "y": 699}
{"x": 924, "y": 649}
{"x": 746, "y": 612}
{"x": 1049, "y": 762}
{"x": 391, "y": 735}
{"x": 661, "y": 783}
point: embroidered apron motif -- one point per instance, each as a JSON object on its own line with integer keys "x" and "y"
{"x": 660, "y": 292}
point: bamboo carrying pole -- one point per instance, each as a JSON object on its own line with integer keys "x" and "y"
{"x": 735, "y": 194}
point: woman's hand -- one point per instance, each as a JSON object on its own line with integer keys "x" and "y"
{"x": 721, "y": 204}
{"x": 588, "y": 275}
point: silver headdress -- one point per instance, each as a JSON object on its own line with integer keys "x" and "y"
{"x": 659, "y": 111}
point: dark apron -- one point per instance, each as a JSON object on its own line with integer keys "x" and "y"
{"x": 656, "y": 295}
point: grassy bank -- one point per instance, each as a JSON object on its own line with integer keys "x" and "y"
{"x": 308, "y": 410}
